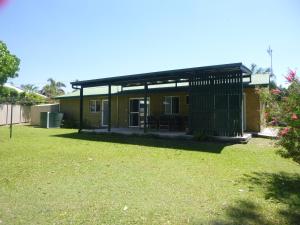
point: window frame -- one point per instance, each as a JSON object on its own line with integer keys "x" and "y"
{"x": 171, "y": 105}
{"x": 94, "y": 103}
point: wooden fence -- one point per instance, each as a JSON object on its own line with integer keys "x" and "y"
{"x": 20, "y": 114}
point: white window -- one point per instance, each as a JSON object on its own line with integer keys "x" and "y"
{"x": 171, "y": 105}
{"x": 94, "y": 106}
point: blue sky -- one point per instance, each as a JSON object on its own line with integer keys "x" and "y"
{"x": 69, "y": 39}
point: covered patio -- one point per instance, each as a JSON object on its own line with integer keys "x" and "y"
{"x": 215, "y": 96}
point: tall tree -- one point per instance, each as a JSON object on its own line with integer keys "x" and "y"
{"x": 54, "y": 88}
{"x": 30, "y": 88}
{"x": 9, "y": 64}
{"x": 259, "y": 70}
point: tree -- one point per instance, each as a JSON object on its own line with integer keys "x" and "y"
{"x": 9, "y": 64}
{"x": 12, "y": 96}
{"x": 53, "y": 88}
{"x": 290, "y": 108}
{"x": 283, "y": 108}
{"x": 30, "y": 88}
{"x": 259, "y": 70}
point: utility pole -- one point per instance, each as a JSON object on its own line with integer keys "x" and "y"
{"x": 270, "y": 52}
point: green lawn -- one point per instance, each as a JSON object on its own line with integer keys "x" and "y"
{"x": 56, "y": 176}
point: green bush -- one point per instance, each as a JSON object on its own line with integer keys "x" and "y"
{"x": 283, "y": 108}
{"x": 69, "y": 122}
{"x": 289, "y": 137}
{"x": 9, "y": 95}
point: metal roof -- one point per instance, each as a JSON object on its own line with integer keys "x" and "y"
{"x": 91, "y": 91}
{"x": 160, "y": 77}
{"x": 103, "y": 91}
{"x": 260, "y": 79}
{"x": 256, "y": 79}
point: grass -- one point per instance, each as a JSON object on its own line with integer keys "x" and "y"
{"x": 56, "y": 176}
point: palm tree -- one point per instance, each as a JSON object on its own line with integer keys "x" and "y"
{"x": 54, "y": 88}
{"x": 259, "y": 70}
{"x": 31, "y": 88}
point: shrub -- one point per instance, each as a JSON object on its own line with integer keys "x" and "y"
{"x": 289, "y": 137}
{"x": 69, "y": 122}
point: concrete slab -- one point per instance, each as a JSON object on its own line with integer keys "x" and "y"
{"x": 168, "y": 134}
{"x": 137, "y": 131}
{"x": 237, "y": 139}
{"x": 268, "y": 132}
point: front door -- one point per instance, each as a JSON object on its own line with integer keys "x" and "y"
{"x": 104, "y": 114}
{"x": 136, "y": 112}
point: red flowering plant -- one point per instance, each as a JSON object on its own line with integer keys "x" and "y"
{"x": 289, "y": 136}
{"x": 282, "y": 108}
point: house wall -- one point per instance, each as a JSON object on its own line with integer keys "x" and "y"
{"x": 253, "y": 110}
{"x": 36, "y": 110}
{"x": 70, "y": 108}
{"x": 156, "y": 106}
{"x": 120, "y": 108}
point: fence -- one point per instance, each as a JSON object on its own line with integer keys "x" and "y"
{"x": 20, "y": 114}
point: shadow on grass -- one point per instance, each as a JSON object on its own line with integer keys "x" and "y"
{"x": 178, "y": 144}
{"x": 280, "y": 188}
{"x": 243, "y": 212}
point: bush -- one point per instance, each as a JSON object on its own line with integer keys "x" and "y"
{"x": 9, "y": 95}
{"x": 283, "y": 107}
{"x": 290, "y": 135}
{"x": 69, "y": 122}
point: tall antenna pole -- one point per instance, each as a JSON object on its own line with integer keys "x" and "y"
{"x": 270, "y": 52}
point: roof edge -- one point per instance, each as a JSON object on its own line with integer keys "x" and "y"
{"x": 115, "y": 79}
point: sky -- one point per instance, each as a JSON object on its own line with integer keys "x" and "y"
{"x": 76, "y": 40}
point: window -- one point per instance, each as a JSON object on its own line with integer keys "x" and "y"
{"x": 171, "y": 105}
{"x": 94, "y": 106}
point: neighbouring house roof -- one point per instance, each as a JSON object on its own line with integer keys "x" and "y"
{"x": 92, "y": 91}
{"x": 103, "y": 91}
{"x": 260, "y": 79}
{"x": 8, "y": 85}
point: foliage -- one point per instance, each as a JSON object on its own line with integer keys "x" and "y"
{"x": 12, "y": 96}
{"x": 53, "y": 89}
{"x": 69, "y": 122}
{"x": 31, "y": 88}
{"x": 290, "y": 135}
{"x": 272, "y": 105}
{"x": 31, "y": 99}
{"x": 283, "y": 108}
{"x": 9, "y": 64}
{"x": 259, "y": 70}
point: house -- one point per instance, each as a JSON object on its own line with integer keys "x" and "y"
{"x": 215, "y": 100}
{"x": 10, "y": 86}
